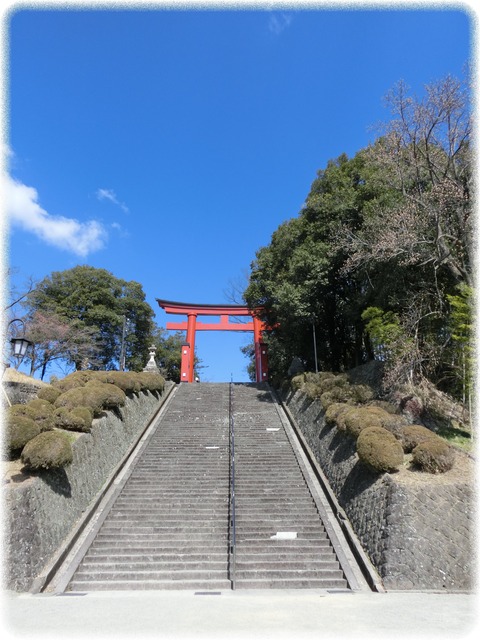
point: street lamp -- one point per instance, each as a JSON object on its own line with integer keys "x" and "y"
{"x": 19, "y": 344}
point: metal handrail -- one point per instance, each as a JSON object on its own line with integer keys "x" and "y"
{"x": 232, "y": 532}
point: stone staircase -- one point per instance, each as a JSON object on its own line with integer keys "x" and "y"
{"x": 169, "y": 526}
{"x": 281, "y": 539}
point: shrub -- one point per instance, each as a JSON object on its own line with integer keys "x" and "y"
{"x": 19, "y": 410}
{"x": 360, "y": 418}
{"x": 361, "y": 393}
{"x": 72, "y": 398}
{"x": 68, "y": 383}
{"x": 412, "y": 435}
{"x": 334, "y": 413}
{"x": 297, "y": 382}
{"x": 19, "y": 431}
{"x": 312, "y": 390}
{"x": 433, "y": 455}
{"x": 152, "y": 381}
{"x": 49, "y": 393}
{"x": 103, "y": 395}
{"x": 48, "y": 450}
{"x": 125, "y": 380}
{"x": 330, "y": 381}
{"x": 379, "y": 449}
{"x": 337, "y": 394}
{"x": 42, "y": 413}
{"x": 85, "y": 415}
{"x": 77, "y": 419}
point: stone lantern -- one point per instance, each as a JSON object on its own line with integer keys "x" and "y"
{"x": 151, "y": 364}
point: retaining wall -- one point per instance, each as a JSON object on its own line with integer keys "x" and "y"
{"x": 42, "y": 509}
{"x": 417, "y": 528}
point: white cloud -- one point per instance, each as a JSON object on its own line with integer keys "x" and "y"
{"x": 109, "y": 194}
{"x": 277, "y": 23}
{"x": 22, "y": 208}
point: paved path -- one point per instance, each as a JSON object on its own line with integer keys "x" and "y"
{"x": 258, "y": 615}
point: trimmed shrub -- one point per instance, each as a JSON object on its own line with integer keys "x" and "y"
{"x": 153, "y": 382}
{"x": 379, "y": 449}
{"x": 103, "y": 395}
{"x": 433, "y": 455}
{"x": 77, "y": 419}
{"x": 361, "y": 393}
{"x": 360, "y": 418}
{"x": 330, "y": 381}
{"x": 19, "y": 410}
{"x": 42, "y": 413}
{"x": 335, "y": 413}
{"x": 72, "y": 398}
{"x": 85, "y": 415}
{"x": 48, "y": 450}
{"x": 412, "y": 435}
{"x": 50, "y": 394}
{"x": 68, "y": 383}
{"x": 126, "y": 380}
{"x": 338, "y": 394}
{"x": 312, "y": 390}
{"x": 297, "y": 382}
{"x": 19, "y": 431}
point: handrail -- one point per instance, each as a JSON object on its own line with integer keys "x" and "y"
{"x": 232, "y": 532}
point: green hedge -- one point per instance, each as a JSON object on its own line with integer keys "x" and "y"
{"x": 379, "y": 449}
{"x": 48, "y": 450}
{"x": 69, "y": 404}
{"x": 433, "y": 455}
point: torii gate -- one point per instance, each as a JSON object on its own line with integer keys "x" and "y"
{"x": 224, "y": 311}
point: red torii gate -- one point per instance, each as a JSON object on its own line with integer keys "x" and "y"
{"x": 224, "y": 311}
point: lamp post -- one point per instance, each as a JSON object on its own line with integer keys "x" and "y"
{"x": 314, "y": 343}
{"x": 19, "y": 344}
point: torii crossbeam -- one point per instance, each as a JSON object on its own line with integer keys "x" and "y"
{"x": 225, "y": 311}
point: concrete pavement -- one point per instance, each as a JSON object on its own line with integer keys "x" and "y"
{"x": 260, "y": 615}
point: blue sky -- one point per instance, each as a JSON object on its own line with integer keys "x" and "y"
{"x": 166, "y": 146}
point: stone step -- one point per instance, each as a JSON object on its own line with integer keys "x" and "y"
{"x": 323, "y": 554}
{"x": 259, "y": 545}
{"x": 284, "y": 573}
{"x": 177, "y": 527}
{"x": 149, "y": 574}
{"x": 112, "y": 555}
{"x": 111, "y": 545}
{"x": 291, "y": 583}
{"x": 192, "y": 538}
{"x": 157, "y": 585}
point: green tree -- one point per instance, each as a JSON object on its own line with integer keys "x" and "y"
{"x": 461, "y": 325}
{"x": 389, "y": 229}
{"x": 95, "y": 299}
{"x": 298, "y": 278}
{"x": 168, "y": 352}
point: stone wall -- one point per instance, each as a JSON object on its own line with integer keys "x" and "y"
{"x": 19, "y": 392}
{"x": 42, "y": 509}
{"x": 417, "y": 528}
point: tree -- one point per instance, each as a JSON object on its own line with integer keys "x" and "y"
{"x": 390, "y": 230}
{"x": 168, "y": 352}
{"x": 95, "y": 300}
{"x": 298, "y": 278}
{"x": 54, "y": 339}
{"x": 425, "y": 155}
